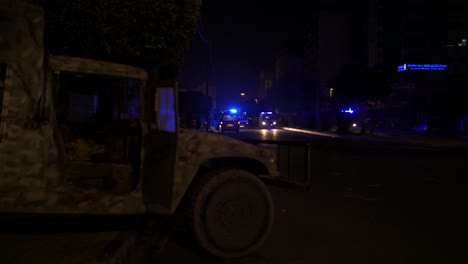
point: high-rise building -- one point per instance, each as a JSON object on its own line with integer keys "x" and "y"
{"x": 337, "y": 37}
{"x": 432, "y": 63}
{"x": 265, "y": 91}
{"x": 386, "y": 34}
{"x": 289, "y": 81}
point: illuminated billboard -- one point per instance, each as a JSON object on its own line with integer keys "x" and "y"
{"x": 422, "y": 67}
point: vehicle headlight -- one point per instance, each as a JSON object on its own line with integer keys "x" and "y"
{"x": 274, "y": 123}
{"x": 263, "y": 123}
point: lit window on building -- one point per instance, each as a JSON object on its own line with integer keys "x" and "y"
{"x": 331, "y": 92}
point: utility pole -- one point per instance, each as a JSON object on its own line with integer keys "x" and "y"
{"x": 201, "y": 33}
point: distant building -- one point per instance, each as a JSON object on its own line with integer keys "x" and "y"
{"x": 458, "y": 60}
{"x": 194, "y": 108}
{"x": 288, "y": 93}
{"x": 209, "y": 90}
{"x": 431, "y": 71}
{"x": 266, "y": 86}
{"x": 386, "y": 34}
{"x": 336, "y": 37}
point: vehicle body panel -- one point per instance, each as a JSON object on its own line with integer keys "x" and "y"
{"x": 196, "y": 147}
{"x": 229, "y": 122}
{"x": 35, "y": 175}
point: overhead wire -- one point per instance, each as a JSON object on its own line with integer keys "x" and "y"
{"x": 203, "y": 28}
{"x": 200, "y": 34}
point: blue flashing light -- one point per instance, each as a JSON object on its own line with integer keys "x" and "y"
{"x": 422, "y": 67}
{"x": 270, "y": 113}
{"x": 349, "y": 111}
{"x": 233, "y": 111}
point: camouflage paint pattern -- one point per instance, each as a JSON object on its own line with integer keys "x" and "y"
{"x": 81, "y": 65}
{"x": 196, "y": 147}
{"x": 27, "y": 151}
{"x": 31, "y": 177}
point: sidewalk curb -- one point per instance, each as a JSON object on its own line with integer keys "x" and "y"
{"x": 311, "y": 132}
{"x": 440, "y": 143}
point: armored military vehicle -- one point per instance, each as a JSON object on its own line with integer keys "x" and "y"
{"x": 86, "y": 137}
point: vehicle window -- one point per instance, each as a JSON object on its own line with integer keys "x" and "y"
{"x": 266, "y": 117}
{"x": 81, "y": 98}
{"x": 230, "y": 118}
{"x": 97, "y": 114}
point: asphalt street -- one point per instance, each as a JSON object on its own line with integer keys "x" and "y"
{"x": 368, "y": 203}
{"x": 333, "y": 224}
{"x": 374, "y": 203}
{"x": 271, "y": 135}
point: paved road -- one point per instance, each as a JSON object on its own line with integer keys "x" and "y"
{"x": 374, "y": 203}
{"x": 275, "y": 134}
{"x": 301, "y": 135}
{"x": 53, "y": 248}
{"x": 367, "y": 205}
{"x": 332, "y": 224}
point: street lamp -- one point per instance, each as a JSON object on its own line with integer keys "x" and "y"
{"x": 242, "y": 94}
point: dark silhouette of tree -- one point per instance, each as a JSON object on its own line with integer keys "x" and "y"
{"x": 148, "y": 33}
{"x": 355, "y": 84}
{"x": 252, "y": 107}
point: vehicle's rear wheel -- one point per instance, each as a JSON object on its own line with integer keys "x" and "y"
{"x": 230, "y": 212}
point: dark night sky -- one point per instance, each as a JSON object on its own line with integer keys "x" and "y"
{"x": 246, "y": 36}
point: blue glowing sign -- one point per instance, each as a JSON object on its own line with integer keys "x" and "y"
{"x": 349, "y": 111}
{"x": 422, "y": 67}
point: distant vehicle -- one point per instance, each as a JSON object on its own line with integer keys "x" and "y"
{"x": 346, "y": 120}
{"x": 229, "y": 121}
{"x": 244, "y": 120}
{"x": 244, "y": 123}
{"x": 267, "y": 120}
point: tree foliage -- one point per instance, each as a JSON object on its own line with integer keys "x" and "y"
{"x": 147, "y": 33}
{"x": 357, "y": 83}
{"x": 252, "y": 107}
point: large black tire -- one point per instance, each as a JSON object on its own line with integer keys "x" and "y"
{"x": 230, "y": 213}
